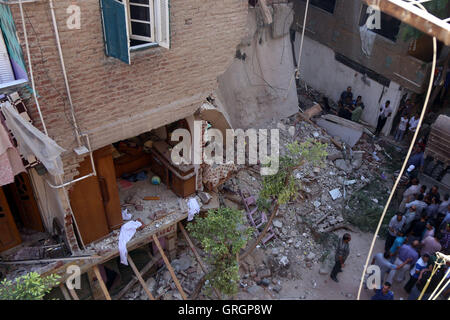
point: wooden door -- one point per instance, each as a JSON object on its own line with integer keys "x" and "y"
{"x": 106, "y": 175}
{"x": 9, "y": 235}
{"x": 26, "y": 203}
{"x": 87, "y": 205}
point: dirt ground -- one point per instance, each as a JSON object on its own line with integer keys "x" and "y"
{"x": 315, "y": 286}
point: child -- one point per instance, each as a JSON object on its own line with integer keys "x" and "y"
{"x": 401, "y": 127}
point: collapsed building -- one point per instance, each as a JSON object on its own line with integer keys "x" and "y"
{"x": 99, "y": 88}
{"x": 109, "y": 92}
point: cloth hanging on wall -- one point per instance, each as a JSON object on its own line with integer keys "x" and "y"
{"x": 367, "y": 39}
{"x": 33, "y": 142}
{"x": 10, "y": 161}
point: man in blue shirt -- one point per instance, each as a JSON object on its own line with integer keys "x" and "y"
{"x": 398, "y": 242}
{"x": 384, "y": 293}
{"x": 416, "y": 159}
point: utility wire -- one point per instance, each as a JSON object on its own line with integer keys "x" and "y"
{"x": 430, "y": 85}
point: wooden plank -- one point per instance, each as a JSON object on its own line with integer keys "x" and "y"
{"x": 101, "y": 282}
{"x": 141, "y": 280}
{"x": 97, "y": 293}
{"x": 169, "y": 267}
{"x": 134, "y": 280}
{"x": 35, "y": 261}
{"x": 197, "y": 256}
{"x": 64, "y": 291}
{"x": 140, "y": 239}
{"x": 73, "y": 294}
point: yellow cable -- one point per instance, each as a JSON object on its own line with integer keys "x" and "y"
{"x": 430, "y": 85}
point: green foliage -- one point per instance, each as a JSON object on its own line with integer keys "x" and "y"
{"x": 435, "y": 7}
{"x": 28, "y": 287}
{"x": 280, "y": 186}
{"x": 364, "y": 213}
{"x": 222, "y": 234}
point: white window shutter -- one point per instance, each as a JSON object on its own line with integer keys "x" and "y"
{"x": 6, "y": 71}
{"x": 162, "y": 23}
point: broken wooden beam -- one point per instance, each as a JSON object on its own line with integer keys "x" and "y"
{"x": 34, "y": 261}
{"x": 134, "y": 280}
{"x": 139, "y": 276}
{"x": 197, "y": 256}
{"x": 64, "y": 291}
{"x": 73, "y": 294}
{"x": 169, "y": 267}
{"x": 101, "y": 282}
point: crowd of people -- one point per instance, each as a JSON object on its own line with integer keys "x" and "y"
{"x": 419, "y": 229}
{"x": 405, "y": 121}
{"x": 348, "y": 108}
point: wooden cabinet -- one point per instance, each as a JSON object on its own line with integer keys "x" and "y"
{"x": 95, "y": 200}
{"x": 108, "y": 186}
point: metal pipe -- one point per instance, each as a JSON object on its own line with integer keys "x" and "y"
{"x": 18, "y": 2}
{"x": 61, "y": 57}
{"x": 25, "y": 35}
{"x": 297, "y": 70}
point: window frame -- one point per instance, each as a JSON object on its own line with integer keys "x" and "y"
{"x": 320, "y": 8}
{"x": 152, "y": 17}
{"x": 363, "y": 12}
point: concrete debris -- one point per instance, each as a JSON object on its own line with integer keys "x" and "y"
{"x": 204, "y": 197}
{"x": 284, "y": 261}
{"x": 335, "y": 193}
{"x": 277, "y": 224}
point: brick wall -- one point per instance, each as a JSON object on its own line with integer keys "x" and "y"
{"x": 113, "y": 100}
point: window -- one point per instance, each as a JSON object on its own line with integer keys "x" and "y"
{"x": 133, "y": 24}
{"x": 141, "y": 21}
{"x": 13, "y": 74}
{"x": 389, "y": 25}
{"x": 327, "y": 5}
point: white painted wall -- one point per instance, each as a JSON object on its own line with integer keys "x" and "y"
{"x": 255, "y": 91}
{"x": 320, "y": 70}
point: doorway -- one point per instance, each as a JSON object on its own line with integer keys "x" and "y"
{"x": 19, "y": 213}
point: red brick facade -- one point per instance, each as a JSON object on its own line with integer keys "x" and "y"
{"x": 113, "y": 100}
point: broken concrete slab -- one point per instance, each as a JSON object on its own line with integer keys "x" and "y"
{"x": 342, "y": 165}
{"x": 335, "y": 193}
{"x": 212, "y": 204}
{"x": 349, "y": 135}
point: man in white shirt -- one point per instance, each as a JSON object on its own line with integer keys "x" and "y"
{"x": 413, "y": 123}
{"x": 410, "y": 193}
{"x": 444, "y": 204}
{"x": 385, "y": 112}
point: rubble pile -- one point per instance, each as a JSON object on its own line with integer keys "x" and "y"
{"x": 161, "y": 284}
{"x": 325, "y": 192}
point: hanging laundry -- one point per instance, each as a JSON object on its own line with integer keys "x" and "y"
{"x": 10, "y": 161}
{"x": 33, "y": 142}
{"x": 194, "y": 208}
{"x": 367, "y": 39}
{"x": 127, "y": 232}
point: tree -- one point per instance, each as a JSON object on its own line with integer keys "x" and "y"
{"x": 222, "y": 234}
{"x": 28, "y": 287}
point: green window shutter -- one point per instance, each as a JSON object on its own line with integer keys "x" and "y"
{"x": 115, "y": 29}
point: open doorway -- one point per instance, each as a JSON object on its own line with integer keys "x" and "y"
{"x": 20, "y": 219}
